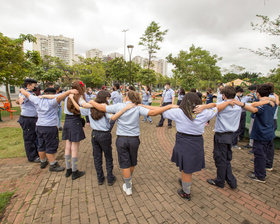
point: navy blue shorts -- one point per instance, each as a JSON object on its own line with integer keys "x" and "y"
{"x": 127, "y": 148}
{"x": 48, "y": 139}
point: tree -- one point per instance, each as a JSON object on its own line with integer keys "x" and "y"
{"x": 14, "y": 63}
{"x": 50, "y": 69}
{"x": 194, "y": 65}
{"x": 117, "y": 70}
{"x": 147, "y": 77}
{"x": 91, "y": 71}
{"x": 151, "y": 39}
{"x": 270, "y": 27}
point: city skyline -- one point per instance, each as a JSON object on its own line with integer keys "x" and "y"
{"x": 221, "y": 27}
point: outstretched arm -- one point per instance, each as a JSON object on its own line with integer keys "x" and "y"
{"x": 98, "y": 106}
{"x": 24, "y": 92}
{"x": 62, "y": 96}
{"x": 121, "y": 112}
{"x": 160, "y": 110}
{"x": 199, "y": 108}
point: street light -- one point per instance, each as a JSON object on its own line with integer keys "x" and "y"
{"x": 130, "y": 49}
{"x": 124, "y": 31}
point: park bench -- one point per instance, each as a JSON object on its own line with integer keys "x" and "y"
{"x": 5, "y": 106}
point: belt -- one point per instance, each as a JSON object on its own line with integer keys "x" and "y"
{"x": 27, "y": 117}
{"x": 101, "y": 131}
{"x": 189, "y": 134}
{"x": 127, "y": 136}
{"x": 221, "y": 133}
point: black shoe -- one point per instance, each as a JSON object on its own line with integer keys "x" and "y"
{"x": 68, "y": 172}
{"x": 43, "y": 165}
{"x": 56, "y": 168}
{"x": 253, "y": 177}
{"x": 111, "y": 182}
{"x": 100, "y": 182}
{"x": 184, "y": 195}
{"x": 169, "y": 127}
{"x": 77, "y": 174}
{"x": 213, "y": 182}
{"x": 37, "y": 160}
{"x": 158, "y": 126}
{"x": 233, "y": 187}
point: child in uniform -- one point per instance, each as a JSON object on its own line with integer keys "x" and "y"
{"x": 262, "y": 131}
{"x": 27, "y": 120}
{"x": 188, "y": 152}
{"x": 46, "y": 126}
{"x": 73, "y": 131}
{"x": 128, "y": 133}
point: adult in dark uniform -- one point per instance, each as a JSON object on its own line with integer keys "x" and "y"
{"x": 27, "y": 121}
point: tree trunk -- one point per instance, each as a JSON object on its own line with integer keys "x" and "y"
{"x": 8, "y": 94}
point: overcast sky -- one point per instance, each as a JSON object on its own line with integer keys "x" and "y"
{"x": 220, "y": 26}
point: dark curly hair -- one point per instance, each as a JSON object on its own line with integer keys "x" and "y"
{"x": 100, "y": 98}
{"x": 189, "y": 102}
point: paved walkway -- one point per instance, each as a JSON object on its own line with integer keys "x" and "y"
{"x": 44, "y": 197}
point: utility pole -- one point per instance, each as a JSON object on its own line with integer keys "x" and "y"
{"x": 124, "y": 31}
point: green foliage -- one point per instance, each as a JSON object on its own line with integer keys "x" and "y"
{"x": 117, "y": 70}
{"x": 194, "y": 65}
{"x": 14, "y": 64}
{"x": 275, "y": 79}
{"x": 270, "y": 27}
{"x": 5, "y": 198}
{"x": 151, "y": 39}
{"x": 91, "y": 71}
{"x": 147, "y": 77}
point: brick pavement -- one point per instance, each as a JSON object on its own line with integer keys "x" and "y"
{"x": 43, "y": 197}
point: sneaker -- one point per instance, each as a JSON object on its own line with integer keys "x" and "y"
{"x": 68, "y": 172}
{"x": 43, "y": 165}
{"x": 213, "y": 182}
{"x": 236, "y": 147}
{"x": 184, "y": 195}
{"x": 56, "y": 168}
{"x": 269, "y": 169}
{"x": 36, "y": 160}
{"x": 128, "y": 191}
{"x": 111, "y": 183}
{"x": 77, "y": 174}
{"x": 253, "y": 177}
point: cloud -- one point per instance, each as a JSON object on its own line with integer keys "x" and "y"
{"x": 220, "y": 26}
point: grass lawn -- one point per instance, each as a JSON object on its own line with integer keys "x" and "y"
{"x": 11, "y": 144}
{"x": 4, "y": 201}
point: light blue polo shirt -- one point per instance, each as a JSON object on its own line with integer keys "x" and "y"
{"x": 180, "y": 97}
{"x": 228, "y": 120}
{"x": 167, "y": 95}
{"x": 219, "y": 97}
{"x": 47, "y": 111}
{"x": 185, "y": 125}
{"x": 145, "y": 96}
{"x": 116, "y": 97}
{"x": 89, "y": 97}
{"x": 28, "y": 109}
{"x": 128, "y": 123}
{"x": 103, "y": 124}
{"x": 66, "y": 111}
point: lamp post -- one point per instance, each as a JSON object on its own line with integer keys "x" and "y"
{"x": 124, "y": 31}
{"x": 130, "y": 49}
